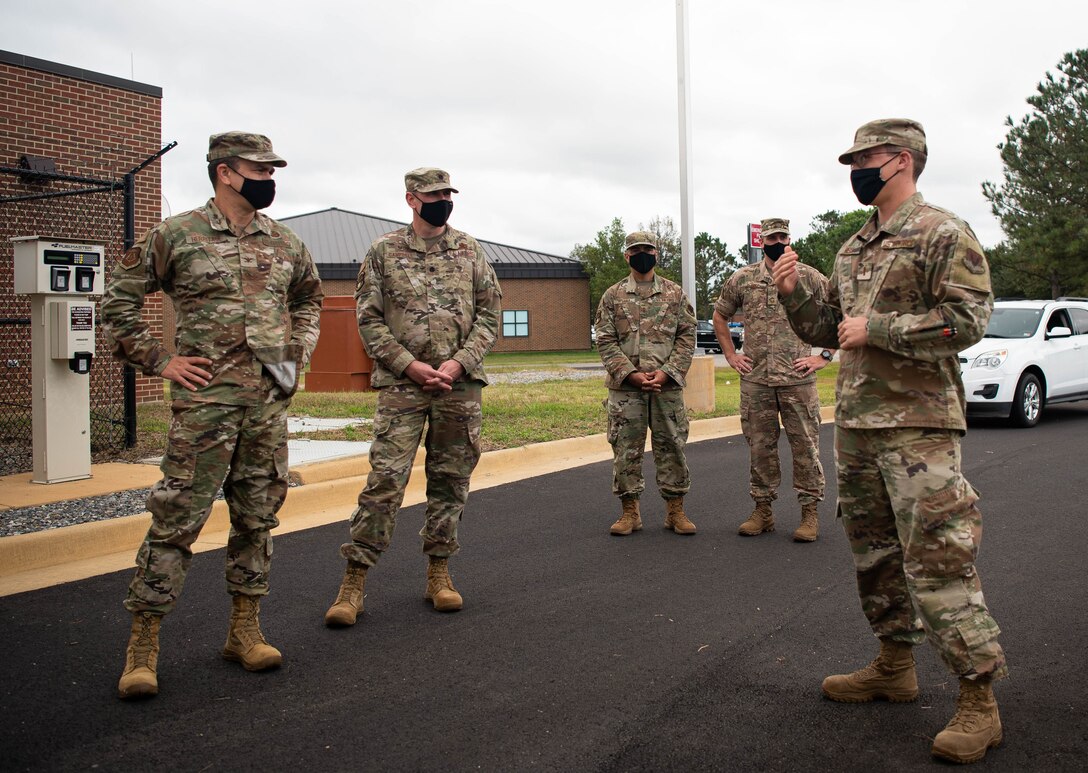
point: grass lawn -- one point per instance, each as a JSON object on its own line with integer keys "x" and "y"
{"x": 514, "y": 414}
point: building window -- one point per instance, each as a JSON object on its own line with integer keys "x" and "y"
{"x": 515, "y": 324}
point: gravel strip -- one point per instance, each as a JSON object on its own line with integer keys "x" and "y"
{"x": 536, "y": 376}
{"x": 21, "y": 520}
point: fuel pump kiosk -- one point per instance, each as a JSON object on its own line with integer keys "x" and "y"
{"x": 60, "y": 276}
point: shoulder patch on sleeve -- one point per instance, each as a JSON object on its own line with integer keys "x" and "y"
{"x": 133, "y": 257}
{"x": 968, "y": 267}
{"x": 974, "y": 261}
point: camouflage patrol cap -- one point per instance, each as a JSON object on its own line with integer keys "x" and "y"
{"x": 774, "y": 225}
{"x": 251, "y": 147}
{"x": 901, "y": 132}
{"x": 427, "y": 179}
{"x": 637, "y": 238}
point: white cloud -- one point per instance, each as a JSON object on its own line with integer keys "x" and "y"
{"x": 553, "y": 118}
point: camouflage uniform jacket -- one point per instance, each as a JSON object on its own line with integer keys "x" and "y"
{"x": 768, "y": 338}
{"x": 427, "y": 305}
{"x": 645, "y": 331}
{"x": 922, "y": 281}
{"x": 240, "y": 301}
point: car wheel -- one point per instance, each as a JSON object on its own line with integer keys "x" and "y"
{"x": 1027, "y": 404}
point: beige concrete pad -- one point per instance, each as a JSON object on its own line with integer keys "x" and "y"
{"x": 18, "y": 491}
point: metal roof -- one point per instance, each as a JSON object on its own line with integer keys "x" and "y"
{"x": 339, "y": 239}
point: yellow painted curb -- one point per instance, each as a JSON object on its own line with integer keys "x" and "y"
{"x": 54, "y": 556}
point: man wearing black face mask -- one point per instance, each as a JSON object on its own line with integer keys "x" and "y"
{"x": 248, "y": 300}
{"x": 646, "y": 338}
{"x": 777, "y": 379}
{"x": 428, "y": 309}
{"x": 909, "y": 291}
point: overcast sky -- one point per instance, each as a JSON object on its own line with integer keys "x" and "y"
{"x": 554, "y": 117}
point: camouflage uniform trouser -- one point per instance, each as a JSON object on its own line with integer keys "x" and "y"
{"x": 914, "y": 531}
{"x": 629, "y": 413}
{"x": 799, "y": 407}
{"x": 244, "y": 450}
{"x": 453, "y": 422}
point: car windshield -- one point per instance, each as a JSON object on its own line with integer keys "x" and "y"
{"x": 706, "y": 327}
{"x": 1013, "y": 323}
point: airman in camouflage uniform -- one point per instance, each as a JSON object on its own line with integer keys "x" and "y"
{"x": 646, "y": 338}
{"x": 777, "y": 378}
{"x": 428, "y": 308}
{"x": 248, "y": 301}
{"x": 909, "y": 291}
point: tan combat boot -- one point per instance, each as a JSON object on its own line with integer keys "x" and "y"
{"x": 139, "y": 680}
{"x": 245, "y": 642}
{"x": 761, "y": 520}
{"x": 975, "y": 728}
{"x": 809, "y": 529}
{"x": 676, "y": 519}
{"x": 440, "y": 588}
{"x": 630, "y": 520}
{"x": 349, "y": 601}
{"x": 891, "y": 676}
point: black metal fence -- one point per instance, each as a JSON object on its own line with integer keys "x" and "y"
{"x": 42, "y": 203}
{"x": 75, "y": 209}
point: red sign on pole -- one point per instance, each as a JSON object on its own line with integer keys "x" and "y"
{"x": 755, "y": 236}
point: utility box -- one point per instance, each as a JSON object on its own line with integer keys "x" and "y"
{"x": 60, "y": 275}
{"x": 46, "y": 266}
{"x": 339, "y": 363}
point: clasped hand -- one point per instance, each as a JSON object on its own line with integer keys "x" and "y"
{"x": 649, "y": 382}
{"x": 438, "y": 379}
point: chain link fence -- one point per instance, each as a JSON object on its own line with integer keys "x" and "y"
{"x": 74, "y": 209}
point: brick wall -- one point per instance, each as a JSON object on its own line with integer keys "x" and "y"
{"x": 95, "y": 126}
{"x": 558, "y": 312}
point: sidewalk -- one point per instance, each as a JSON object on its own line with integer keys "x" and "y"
{"x": 327, "y": 495}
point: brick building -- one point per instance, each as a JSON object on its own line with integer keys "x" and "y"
{"x": 74, "y": 123}
{"x": 545, "y": 298}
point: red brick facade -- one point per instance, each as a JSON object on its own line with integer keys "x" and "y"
{"x": 563, "y": 302}
{"x": 93, "y": 126}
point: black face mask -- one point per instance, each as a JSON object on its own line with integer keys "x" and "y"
{"x": 259, "y": 193}
{"x": 774, "y": 251}
{"x": 867, "y": 184}
{"x": 436, "y": 212}
{"x": 643, "y": 262}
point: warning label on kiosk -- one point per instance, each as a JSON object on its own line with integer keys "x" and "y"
{"x": 82, "y": 317}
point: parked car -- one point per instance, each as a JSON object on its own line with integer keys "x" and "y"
{"x": 736, "y": 332}
{"x": 706, "y": 339}
{"x": 1033, "y": 354}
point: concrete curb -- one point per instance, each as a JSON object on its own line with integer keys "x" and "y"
{"x": 45, "y": 558}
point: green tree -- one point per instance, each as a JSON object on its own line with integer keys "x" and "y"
{"x": 603, "y": 260}
{"x": 829, "y": 231}
{"x": 1014, "y": 275}
{"x": 713, "y": 266}
{"x": 1042, "y": 202}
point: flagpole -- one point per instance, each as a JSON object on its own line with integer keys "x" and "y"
{"x": 687, "y": 232}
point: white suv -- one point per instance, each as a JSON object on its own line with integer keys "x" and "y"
{"x": 1034, "y": 353}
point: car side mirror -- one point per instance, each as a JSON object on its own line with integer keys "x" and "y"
{"x": 1059, "y": 332}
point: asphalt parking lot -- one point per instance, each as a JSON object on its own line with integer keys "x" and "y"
{"x": 575, "y": 650}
